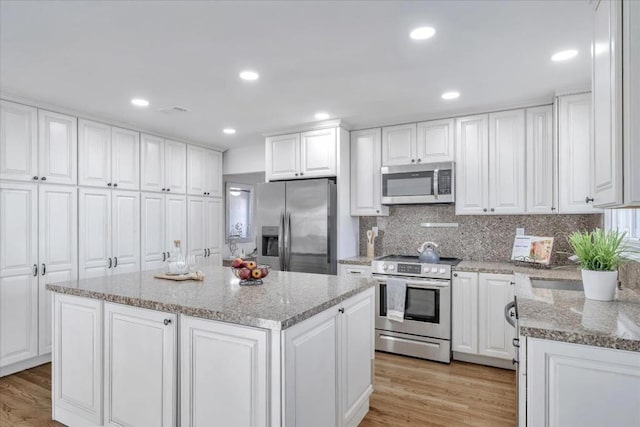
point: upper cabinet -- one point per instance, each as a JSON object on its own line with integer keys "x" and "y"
{"x": 431, "y": 141}
{"x": 472, "y": 165}
{"x": 204, "y": 172}
{"x": 616, "y": 104}
{"x": 108, "y": 156}
{"x": 575, "y": 162}
{"x": 309, "y": 154}
{"x": 164, "y": 165}
{"x": 57, "y": 148}
{"x": 365, "y": 173}
{"x": 541, "y": 161}
{"x": 399, "y": 145}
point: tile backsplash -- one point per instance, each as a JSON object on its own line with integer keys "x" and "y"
{"x": 477, "y": 238}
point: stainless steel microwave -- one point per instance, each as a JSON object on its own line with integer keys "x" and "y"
{"x": 418, "y": 184}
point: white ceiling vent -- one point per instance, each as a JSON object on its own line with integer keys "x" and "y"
{"x": 173, "y": 110}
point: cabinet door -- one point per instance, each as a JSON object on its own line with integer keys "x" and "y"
{"x": 606, "y": 69}
{"x": 214, "y": 222}
{"x": 540, "y": 161}
{"x": 399, "y": 145}
{"x": 175, "y": 160}
{"x": 140, "y": 367}
{"x": 94, "y": 153}
{"x": 196, "y": 174}
{"x": 57, "y": 148}
{"x": 58, "y": 249}
{"x": 18, "y": 276}
{"x": 152, "y": 163}
{"x": 219, "y": 363}
{"x": 366, "y": 160}
{"x": 213, "y": 173}
{"x": 94, "y": 233}
{"x": 575, "y": 163}
{"x": 196, "y": 228}
{"x": 436, "y": 141}
{"x": 18, "y": 141}
{"x": 472, "y": 165}
{"x": 357, "y": 348}
{"x": 175, "y": 221}
{"x": 282, "y": 157}
{"x": 77, "y": 385}
{"x": 125, "y": 151}
{"x": 507, "y": 162}
{"x": 125, "y": 232}
{"x": 631, "y": 99}
{"x": 495, "y": 338}
{"x": 579, "y": 385}
{"x": 318, "y": 153}
{"x": 464, "y": 296}
{"x": 152, "y": 227}
{"x": 310, "y": 357}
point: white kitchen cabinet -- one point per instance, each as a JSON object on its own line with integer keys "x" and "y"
{"x": 366, "y": 160}
{"x": 175, "y": 206}
{"x": 631, "y": 102}
{"x": 164, "y": 165}
{"x": 318, "y": 153}
{"x": 214, "y": 222}
{"x": 125, "y": 159}
{"x": 94, "y": 153}
{"x": 579, "y": 385}
{"x": 18, "y": 272}
{"x": 495, "y": 337}
{"x": 541, "y": 158}
{"x": 175, "y": 160}
{"x": 58, "y": 250}
{"x": 507, "y": 179}
{"x": 196, "y": 227}
{"x": 109, "y": 232}
{"x": 575, "y": 162}
{"x": 140, "y": 367}
{"x": 311, "y": 154}
{"x": 282, "y": 156}
{"x": 435, "y": 141}
{"x": 464, "y": 297}
{"x": 57, "y": 148}
{"x": 204, "y": 172}
{"x": 77, "y": 369}
{"x": 152, "y": 163}
{"x": 213, "y": 173}
{"x": 399, "y": 145}
{"x": 163, "y": 220}
{"x": 205, "y": 225}
{"x": 354, "y": 270}
{"x": 472, "y": 165}
{"x": 18, "y": 142}
{"x": 220, "y": 362}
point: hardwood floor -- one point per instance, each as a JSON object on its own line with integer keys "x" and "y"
{"x": 408, "y": 392}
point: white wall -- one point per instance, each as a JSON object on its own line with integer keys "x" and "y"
{"x": 245, "y": 159}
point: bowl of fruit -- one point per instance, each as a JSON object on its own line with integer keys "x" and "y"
{"x": 249, "y": 272}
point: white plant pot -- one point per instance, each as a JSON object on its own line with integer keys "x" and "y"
{"x": 599, "y": 285}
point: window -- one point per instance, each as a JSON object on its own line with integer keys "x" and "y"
{"x": 239, "y": 199}
{"x": 628, "y": 221}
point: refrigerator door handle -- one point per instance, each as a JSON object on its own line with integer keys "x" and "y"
{"x": 287, "y": 242}
{"x": 281, "y": 241}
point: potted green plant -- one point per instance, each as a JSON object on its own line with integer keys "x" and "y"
{"x": 599, "y": 253}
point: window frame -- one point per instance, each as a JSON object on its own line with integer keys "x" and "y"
{"x": 250, "y": 228}
{"x": 612, "y": 217}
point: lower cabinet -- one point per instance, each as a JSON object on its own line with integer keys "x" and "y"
{"x": 479, "y": 327}
{"x": 578, "y": 385}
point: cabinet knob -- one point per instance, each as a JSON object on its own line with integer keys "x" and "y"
{"x": 419, "y": 160}
{"x": 44, "y": 178}
{"x": 109, "y": 185}
{"x": 515, "y": 362}
{"x": 455, "y": 274}
{"x": 167, "y": 321}
{"x": 115, "y": 185}
{"x": 296, "y": 174}
{"x": 588, "y": 199}
{"x": 484, "y": 210}
{"x": 413, "y": 160}
{"x": 493, "y": 210}
{"x": 168, "y": 189}
{"x": 301, "y": 173}
{"x": 35, "y": 178}
{"x": 377, "y": 211}
{"x": 341, "y": 310}
{"x": 553, "y": 209}
{"x": 164, "y": 189}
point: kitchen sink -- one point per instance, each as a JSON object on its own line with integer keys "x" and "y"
{"x": 561, "y": 285}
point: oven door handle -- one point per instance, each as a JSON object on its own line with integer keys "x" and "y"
{"x": 404, "y": 340}
{"x": 419, "y": 284}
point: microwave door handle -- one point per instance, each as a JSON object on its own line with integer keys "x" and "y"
{"x": 435, "y": 183}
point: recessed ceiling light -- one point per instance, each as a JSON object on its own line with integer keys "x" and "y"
{"x": 139, "y": 102}
{"x": 249, "y": 75}
{"x": 229, "y": 131}
{"x": 564, "y": 55}
{"x": 422, "y": 33}
{"x": 451, "y": 95}
{"x": 322, "y": 116}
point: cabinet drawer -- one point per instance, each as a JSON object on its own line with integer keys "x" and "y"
{"x": 355, "y": 270}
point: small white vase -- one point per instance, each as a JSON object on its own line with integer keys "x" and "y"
{"x": 599, "y": 285}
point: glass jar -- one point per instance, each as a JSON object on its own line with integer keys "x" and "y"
{"x": 176, "y": 263}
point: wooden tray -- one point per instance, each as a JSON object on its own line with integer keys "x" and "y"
{"x": 198, "y": 276}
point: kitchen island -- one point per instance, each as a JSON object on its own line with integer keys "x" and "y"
{"x": 134, "y": 350}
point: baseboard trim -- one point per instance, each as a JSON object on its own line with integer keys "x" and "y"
{"x": 68, "y": 418}
{"x": 25, "y": 364}
{"x": 484, "y": 360}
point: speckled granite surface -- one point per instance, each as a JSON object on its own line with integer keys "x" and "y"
{"x": 356, "y": 260}
{"x": 560, "y": 273}
{"x": 568, "y": 316}
{"x": 282, "y": 301}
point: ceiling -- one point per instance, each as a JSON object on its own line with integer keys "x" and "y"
{"x": 353, "y": 59}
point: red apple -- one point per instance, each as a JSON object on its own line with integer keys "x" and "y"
{"x": 256, "y": 274}
{"x": 264, "y": 271}
{"x": 244, "y": 274}
{"x": 237, "y": 263}
{"x": 250, "y": 265}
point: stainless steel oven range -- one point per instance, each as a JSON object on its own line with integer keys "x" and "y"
{"x": 426, "y": 330}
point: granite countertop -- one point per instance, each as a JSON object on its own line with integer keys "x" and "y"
{"x": 568, "y": 316}
{"x": 557, "y": 273}
{"x": 284, "y": 300}
{"x": 356, "y": 260}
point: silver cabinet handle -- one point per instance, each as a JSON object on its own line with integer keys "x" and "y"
{"x": 44, "y": 269}
{"x": 588, "y": 199}
{"x": 109, "y": 262}
{"x": 115, "y": 263}
{"x": 35, "y": 270}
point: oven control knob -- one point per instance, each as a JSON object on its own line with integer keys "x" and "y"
{"x": 443, "y": 270}
{"x": 384, "y": 267}
{"x": 434, "y": 269}
{"x": 392, "y": 267}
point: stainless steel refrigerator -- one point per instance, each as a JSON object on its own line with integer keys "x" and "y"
{"x": 296, "y": 223}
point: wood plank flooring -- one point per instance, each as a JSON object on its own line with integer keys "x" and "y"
{"x": 408, "y": 392}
